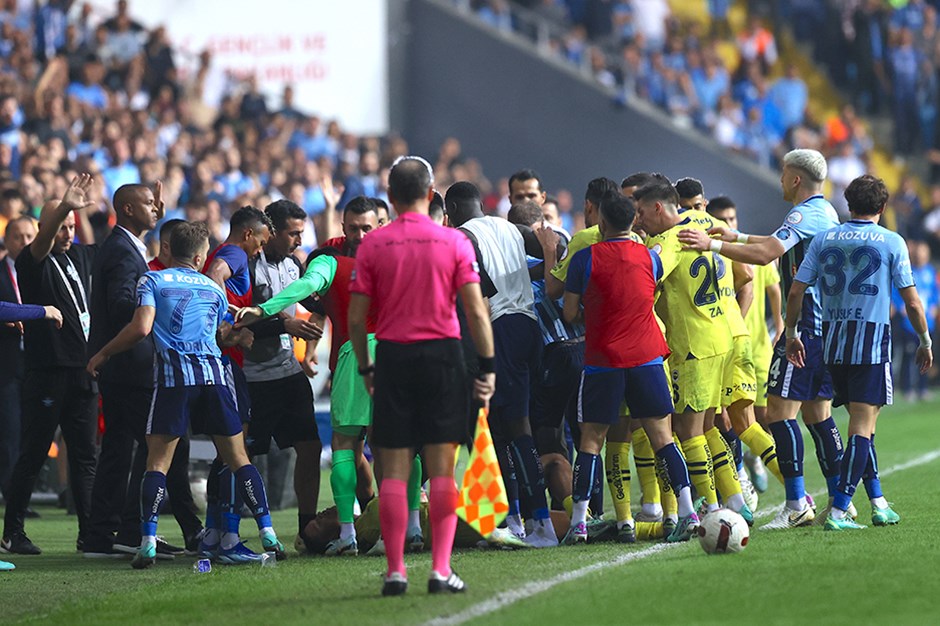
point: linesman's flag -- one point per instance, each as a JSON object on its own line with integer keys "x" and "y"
{"x": 482, "y": 502}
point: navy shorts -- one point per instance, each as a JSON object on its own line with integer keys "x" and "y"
{"x": 867, "y": 384}
{"x": 238, "y": 385}
{"x": 554, "y": 394}
{"x": 208, "y": 409}
{"x": 810, "y": 382}
{"x": 518, "y": 343}
{"x": 645, "y": 389}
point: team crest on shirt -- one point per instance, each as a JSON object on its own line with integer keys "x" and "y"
{"x": 657, "y": 249}
{"x": 783, "y": 234}
{"x": 795, "y": 217}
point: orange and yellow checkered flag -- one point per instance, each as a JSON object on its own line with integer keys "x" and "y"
{"x": 482, "y": 502}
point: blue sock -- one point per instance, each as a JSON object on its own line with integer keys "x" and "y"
{"x": 529, "y": 474}
{"x": 229, "y": 502}
{"x": 213, "y": 508}
{"x": 506, "y": 466}
{"x": 676, "y": 469}
{"x": 870, "y": 477}
{"x": 251, "y": 486}
{"x": 829, "y": 450}
{"x": 856, "y": 459}
{"x": 585, "y": 476}
{"x": 789, "y": 442}
{"x": 152, "y": 497}
{"x": 597, "y": 493}
{"x": 734, "y": 442}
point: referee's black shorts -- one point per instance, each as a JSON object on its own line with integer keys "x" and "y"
{"x": 420, "y": 394}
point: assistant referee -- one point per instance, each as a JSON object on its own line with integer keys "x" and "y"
{"x": 411, "y": 272}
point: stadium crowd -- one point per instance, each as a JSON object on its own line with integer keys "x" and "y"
{"x": 139, "y": 181}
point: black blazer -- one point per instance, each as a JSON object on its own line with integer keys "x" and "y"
{"x": 115, "y": 272}
{"x": 11, "y": 361}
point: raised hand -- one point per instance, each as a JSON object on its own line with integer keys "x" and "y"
{"x": 158, "y": 201}
{"x": 302, "y": 329}
{"x": 77, "y": 195}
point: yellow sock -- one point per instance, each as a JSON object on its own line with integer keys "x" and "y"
{"x": 649, "y": 530}
{"x": 669, "y": 503}
{"x": 762, "y": 444}
{"x": 699, "y": 460}
{"x": 645, "y": 459}
{"x": 726, "y": 474}
{"x": 617, "y": 464}
{"x": 568, "y": 503}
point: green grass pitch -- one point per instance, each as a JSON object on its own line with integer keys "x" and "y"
{"x": 886, "y": 575}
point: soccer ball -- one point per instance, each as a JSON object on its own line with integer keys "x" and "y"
{"x": 723, "y": 531}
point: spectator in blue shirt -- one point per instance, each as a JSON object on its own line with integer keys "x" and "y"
{"x": 234, "y": 183}
{"x": 910, "y": 381}
{"x": 496, "y": 14}
{"x": 122, "y": 170}
{"x": 905, "y": 63}
{"x": 365, "y": 183}
{"x": 89, "y": 91}
{"x": 790, "y": 95}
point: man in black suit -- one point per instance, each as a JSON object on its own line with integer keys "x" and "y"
{"x": 57, "y": 391}
{"x": 19, "y": 233}
{"x": 125, "y": 383}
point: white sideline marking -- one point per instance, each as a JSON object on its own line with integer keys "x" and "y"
{"x": 506, "y": 598}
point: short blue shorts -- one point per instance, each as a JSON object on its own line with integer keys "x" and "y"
{"x": 645, "y": 389}
{"x": 209, "y": 409}
{"x": 867, "y": 384}
{"x": 810, "y": 382}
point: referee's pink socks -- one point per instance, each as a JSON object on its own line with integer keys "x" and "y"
{"x": 393, "y": 519}
{"x": 442, "y": 510}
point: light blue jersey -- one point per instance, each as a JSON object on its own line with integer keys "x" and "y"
{"x": 803, "y": 222}
{"x": 856, "y": 264}
{"x": 189, "y": 308}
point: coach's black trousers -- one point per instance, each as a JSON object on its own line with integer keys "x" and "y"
{"x": 115, "y": 504}
{"x": 55, "y": 397}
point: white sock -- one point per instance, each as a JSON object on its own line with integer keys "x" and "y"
{"x": 579, "y": 512}
{"x": 514, "y": 523}
{"x": 347, "y": 530}
{"x": 267, "y": 530}
{"x": 736, "y": 502}
{"x": 685, "y": 503}
{"x": 797, "y": 505}
{"x": 545, "y": 526}
{"x": 628, "y": 523}
{"x": 148, "y": 540}
{"x": 414, "y": 522}
{"x": 837, "y": 514}
{"x": 879, "y": 503}
{"x": 654, "y": 509}
{"x": 229, "y": 540}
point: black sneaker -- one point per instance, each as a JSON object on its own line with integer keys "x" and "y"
{"x": 31, "y": 514}
{"x": 167, "y": 551}
{"x": 395, "y": 585}
{"x": 18, "y": 543}
{"x": 193, "y": 543}
{"x": 626, "y": 534}
{"x": 440, "y": 584}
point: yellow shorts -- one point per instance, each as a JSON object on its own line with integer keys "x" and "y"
{"x": 624, "y": 411}
{"x": 740, "y": 381}
{"x": 697, "y": 383}
{"x": 762, "y": 356}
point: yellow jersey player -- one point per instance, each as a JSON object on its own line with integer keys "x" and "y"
{"x": 766, "y": 288}
{"x": 699, "y": 335}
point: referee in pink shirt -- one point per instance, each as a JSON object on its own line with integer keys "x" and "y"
{"x": 411, "y": 272}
